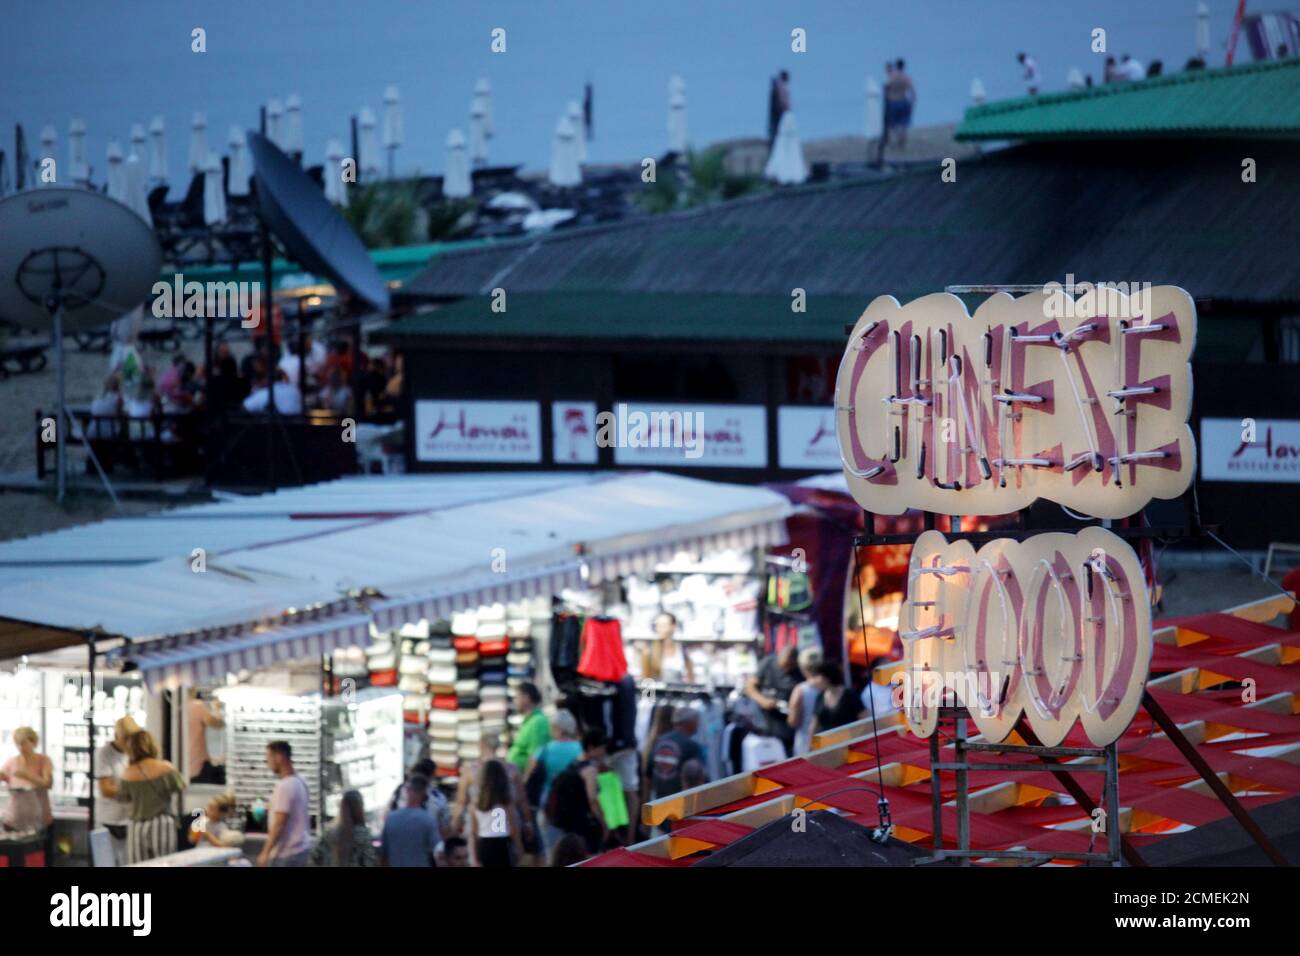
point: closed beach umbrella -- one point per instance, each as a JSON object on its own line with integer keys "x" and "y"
{"x": 139, "y": 142}
{"x": 579, "y": 130}
{"x": 158, "y": 150}
{"x": 275, "y": 121}
{"x": 1074, "y": 79}
{"x": 478, "y": 145}
{"x": 677, "y": 115}
{"x": 77, "y": 152}
{"x": 1202, "y": 30}
{"x": 116, "y": 176}
{"x": 564, "y": 170}
{"x": 335, "y": 189}
{"x": 873, "y": 114}
{"x": 977, "y": 94}
{"x": 786, "y": 164}
{"x": 455, "y": 176}
{"x": 368, "y": 145}
{"x": 214, "y": 197}
{"x": 483, "y": 93}
{"x": 393, "y": 132}
{"x": 292, "y": 130}
{"x": 49, "y": 143}
{"x": 237, "y": 178}
{"x": 137, "y": 193}
{"x": 198, "y": 142}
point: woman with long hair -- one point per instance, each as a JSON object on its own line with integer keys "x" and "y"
{"x": 661, "y": 723}
{"x": 149, "y": 786}
{"x": 665, "y": 659}
{"x": 495, "y": 824}
{"x": 836, "y": 703}
{"x": 349, "y": 841}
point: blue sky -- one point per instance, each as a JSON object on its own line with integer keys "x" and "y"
{"x": 113, "y": 64}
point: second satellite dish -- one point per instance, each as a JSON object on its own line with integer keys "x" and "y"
{"x": 77, "y": 248}
{"x": 311, "y": 229}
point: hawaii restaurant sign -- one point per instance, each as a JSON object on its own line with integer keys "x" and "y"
{"x": 488, "y": 431}
{"x": 1083, "y": 402}
{"x": 1056, "y": 627}
{"x": 1265, "y": 450}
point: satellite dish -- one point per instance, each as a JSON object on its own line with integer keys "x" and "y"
{"x": 76, "y": 251}
{"x": 311, "y": 229}
{"x": 72, "y": 259}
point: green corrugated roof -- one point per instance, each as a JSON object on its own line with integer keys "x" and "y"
{"x": 611, "y": 315}
{"x": 394, "y": 264}
{"x": 1261, "y": 100}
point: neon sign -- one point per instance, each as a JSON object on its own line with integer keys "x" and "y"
{"x": 1036, "y": 397}
{"x": 1056, "y": 627}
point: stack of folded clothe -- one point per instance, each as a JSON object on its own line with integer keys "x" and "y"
{"x": 412, "y": 666}
{"x": 493, "y": 644}
{"x": 464, "y": 627}
{"x": 381, "y": 661}
{"x": 529, "y": 630}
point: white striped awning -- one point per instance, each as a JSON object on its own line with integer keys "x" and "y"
{"x": 196, "y": 659}
{"x": 641, "y": 558}
{"x": 442, "y": 603}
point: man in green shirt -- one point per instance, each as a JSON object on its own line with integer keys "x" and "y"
{"x": 535, "y": 729}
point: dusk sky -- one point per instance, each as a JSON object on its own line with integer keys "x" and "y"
{"x": 113, "y": 64}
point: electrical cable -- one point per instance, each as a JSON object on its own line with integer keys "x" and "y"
{"x": 882, "y": 807}
{"x": 1247, "y": 562}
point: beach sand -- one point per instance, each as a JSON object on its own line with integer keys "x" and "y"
{"x": 24, "y": 513}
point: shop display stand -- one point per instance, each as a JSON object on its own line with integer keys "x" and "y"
{"x": 1050, "y": 757}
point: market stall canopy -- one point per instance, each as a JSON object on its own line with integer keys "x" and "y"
{"x": 203, "y": 658}
{"x": 423, "y": 543}
{"x": 243, "y": 521}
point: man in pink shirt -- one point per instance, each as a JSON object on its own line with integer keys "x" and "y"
{"x": 288, "y": 839}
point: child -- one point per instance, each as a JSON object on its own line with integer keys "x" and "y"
{"x": 217, "y": 832}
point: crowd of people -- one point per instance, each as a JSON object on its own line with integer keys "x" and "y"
{"x": 318, "y": 378}
{"x": 561, "y": 792}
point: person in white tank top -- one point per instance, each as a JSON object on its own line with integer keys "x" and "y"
{"x": 666, "y": 659}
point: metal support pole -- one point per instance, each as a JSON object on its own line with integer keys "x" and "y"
{"x": 963, "y": 791}
{"x": 1076, "y": 791}
{"x": 936, "y": 794}
{"x": 302, "y": 356}
{"x": 90, "y": 726}
{"x": 1226, "y": 796}
{"x": 60, "y": 438}
{"x": 268, "y": 315}
{"x": 1113, "y": 846}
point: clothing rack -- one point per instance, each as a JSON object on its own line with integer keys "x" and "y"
{"x": 661, "y": 689}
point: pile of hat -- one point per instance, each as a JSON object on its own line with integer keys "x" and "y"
{"x": 444, "y": 712}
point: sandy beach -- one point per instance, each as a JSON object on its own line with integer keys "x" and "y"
{"x": 25, "y": 513}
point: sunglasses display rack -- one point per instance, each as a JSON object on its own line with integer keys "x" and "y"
{"x": 255, "y": 718}
{"x": 362, "y": 748}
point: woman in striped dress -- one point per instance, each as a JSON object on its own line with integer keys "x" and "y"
{"x": 149, "y": 785}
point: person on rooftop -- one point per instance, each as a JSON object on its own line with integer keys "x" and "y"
{"x": 1131, "y": 69}
{"x": 900, "y": 98}
{"x": 1031, "y": 72}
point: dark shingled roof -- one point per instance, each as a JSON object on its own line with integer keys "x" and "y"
{"x": 653, "y": 316}
{"x": 1174, "y": 212}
